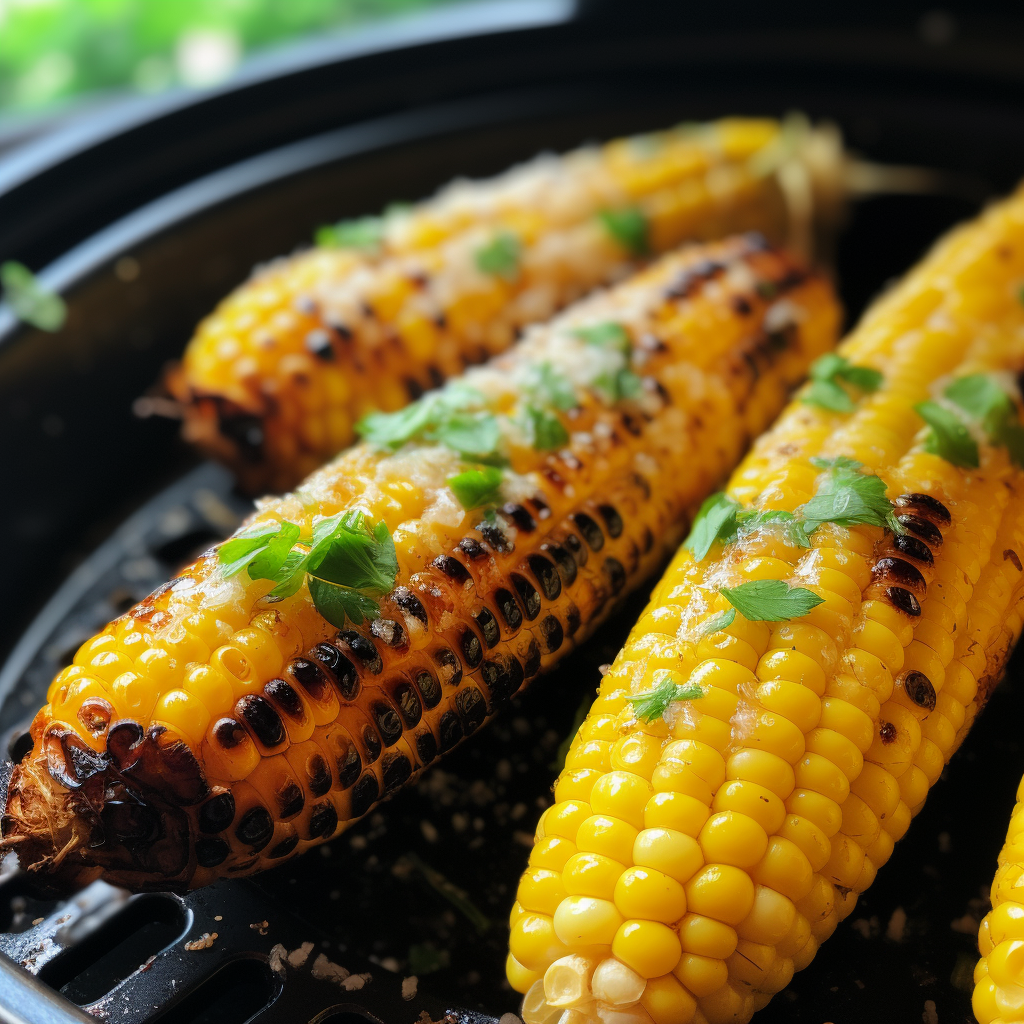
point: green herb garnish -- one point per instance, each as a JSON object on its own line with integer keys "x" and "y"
{"x": 794, "y": 528}
{"x": 628, "y": 226}
{"x": 500, "y": 256}
{"x": 652, "y": 705}
{"x": 358, "y": 233}
{"x": 476, "y": 487}
{"x": 347, "y": 565}
{"x": 29, "y": 300}
{"x": 723, "y": 620}
{"x": 716, "y": 520}
{"x": 770, "y": 600}
{"x": 981, "y": 397}
{"x": 623, "y": 385}
{"x": 948, "y": 438}
{"x": 545, "y": 430}
{"x": 551, "y": 388}
{"x": 826, "y": 391}
{"x": 455, "y": 416}
{"x": 607, "y": 334}
{"x": 848, "y": 497}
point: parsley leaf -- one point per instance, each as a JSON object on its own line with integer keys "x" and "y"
{"x": 476, "y": 487}
{"x": 984, "y": 400}
{"x": 347, "y": 566}
{"x": 948, "y": 438}
{"x": 716, "y": 520}
{"x": 357, "y": 233}
{"x": 549, "y": 387}
{"x": 623, "y": 385}
{"x": 628, "y": 226}
{"x": 825, "y": 389}
{"x": 29, "y": 300}
{"x": 452, "y": 416}
{"x": 723, "y": 620}
{"x": 607, "y": 334}
{"x": 770, "y": 600}
{"x": 545, "y": 430}
{"x": 652, "y": 705}
{"x": 500, "y": 256}
{"x": 796, "y": 530}
{"x": 848, "y": 497}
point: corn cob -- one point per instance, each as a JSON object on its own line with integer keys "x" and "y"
{"x": 999, "y": 975}
{"x": 209, "y": 731}
{"x": 275, "y": 378}
{"x": 748, "y": 765}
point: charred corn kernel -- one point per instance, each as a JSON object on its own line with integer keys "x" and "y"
{"x": 276, "y": 377}
{"x": 843, "y": 723}
{"x": 207, "y": 690}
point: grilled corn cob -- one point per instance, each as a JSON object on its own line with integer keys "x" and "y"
{"x": 275, "y": 378}
{"x": 999, "y": 975}
{"x": 809, "y": 662}
{"x": 211, "y": 731}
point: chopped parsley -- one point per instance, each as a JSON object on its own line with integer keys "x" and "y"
{"x": 771, "y": 600}
{"x": 476, "y": 487}
{"x": 551, "y": 388}
{"x": 948, "y": 437}
{"x": 848, "y": 497}
{"x": 628, "y": 226}
{"x": 652, "y": 704}
{"x": 29, "y": 300}
{"x": 607, "y": 334}
{"x": 981, "y": 397}
{"x": 845, "y": 496}
{"x": 723, "y": 620}
{"x": 716, "y": 520}
{"x": 347, "y": 564}
{"x": 622, "y": 385}
{"x": 825, "y": 388}
{"x": 544, "y": 429}
{"x": 455, "y": 416}
{"x": 358, "y": 233}
{"x": 500, "y": 256}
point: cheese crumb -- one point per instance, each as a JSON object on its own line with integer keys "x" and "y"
{"x": 897, "y": 925}
{"x": 277, "y": 957}
{"x": 354, "y": 982}
{"x": 205, "y": 941}
{"x": 409, "y": 986}
{"x": 930, "y": 1015}
{"x": 297, "y": 957}
{"x": 328, "y": 970}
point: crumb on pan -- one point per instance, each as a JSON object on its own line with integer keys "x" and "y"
{"x": 205, "y": 941}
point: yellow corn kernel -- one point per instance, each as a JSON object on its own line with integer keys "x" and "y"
{"x": 649, "y": 948}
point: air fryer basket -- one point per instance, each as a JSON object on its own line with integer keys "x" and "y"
{"x": 111, "y": 505}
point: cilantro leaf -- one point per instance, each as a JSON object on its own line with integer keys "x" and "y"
{"x": 350, "y": 553}
{"x": 848, "y": 497}
{"x": 473, "y": 434}
{"x": 948, "y": 438}
{"x": 549, "y": 387}
{"x": 268, "y": 560}
{"x": 29, "y": 300}
{"x": 723, "y": 620}
{"x": 623, "y": 385}
{"x": 607, "y": 334}
{"x": 476, "y": 487}
{"x": 1011, "y": 434}
{"x": 628, "y": 226}
{"x": 827, "y": 394}
{"x": 393, "y": 429}
{"x": 982, "y": 398}
{"x": 500, "y": 256}
{"x": 825, "y": 389}
{"x": 357, "y": 233}
{"x": 545, "y": 429}
{"x": 716, "y": 520}
{"x": 652, "y": 705}
{"x": 770, "y": 600}
{"x": 339, "y": 604}
{"x": 237, "y": 552}
{"x": 795, "y": 530}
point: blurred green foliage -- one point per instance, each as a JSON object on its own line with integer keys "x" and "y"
{"x": 51, "y": 50}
